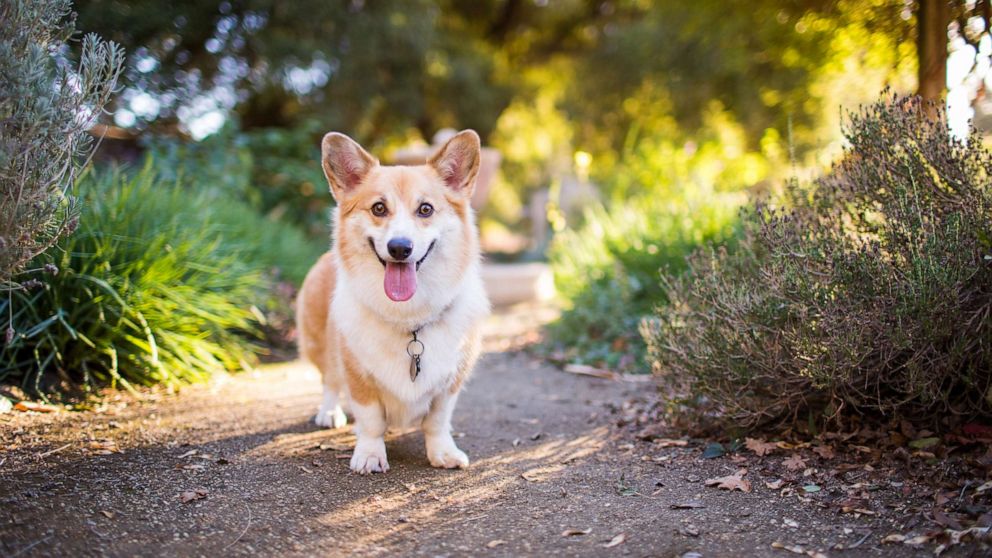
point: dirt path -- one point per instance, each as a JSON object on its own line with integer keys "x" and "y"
{"x": 547, "y": 457}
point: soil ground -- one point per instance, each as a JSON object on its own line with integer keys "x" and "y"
{"x": 555, "y": 471}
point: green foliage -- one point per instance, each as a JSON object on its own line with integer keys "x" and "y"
{"x": 160, "y": 284}
{"x": 46, "y": 108}
{"x": 287, "y": 180}
{"x": 607, "y": 271}
{"x": 671, "y": 193}
{"x": 274, "y": 170}
{"x": 871, "y": 293}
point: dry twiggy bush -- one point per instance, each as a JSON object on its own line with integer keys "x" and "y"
{"x": 870, "y": 294}
{"x": 46, "y": 108}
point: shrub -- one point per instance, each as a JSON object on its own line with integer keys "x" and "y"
{"x": 871, "y": 293}
{"x": 159, "y": 285}
{"x": 46, "y": 108}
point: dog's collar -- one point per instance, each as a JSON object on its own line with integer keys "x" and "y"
{"x": 383, "y": 262}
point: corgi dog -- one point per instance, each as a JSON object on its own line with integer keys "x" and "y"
{"x": 391, "y": 315}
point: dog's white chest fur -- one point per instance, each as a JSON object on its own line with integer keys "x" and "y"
{"x": 380, "y": 346}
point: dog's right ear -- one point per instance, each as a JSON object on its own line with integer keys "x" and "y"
{"x": 345, "y": 163}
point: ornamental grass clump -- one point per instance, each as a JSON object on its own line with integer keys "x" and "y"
{"x": 157, "y": 285}
{"x": 870, "y": 292}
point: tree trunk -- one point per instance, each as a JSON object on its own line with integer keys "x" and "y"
{"x": 932, "y": 20}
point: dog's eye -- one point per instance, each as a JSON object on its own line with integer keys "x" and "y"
{"x": 425, "y": 210}
{"x": 379, "y": 209}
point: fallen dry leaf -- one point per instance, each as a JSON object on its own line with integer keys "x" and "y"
{"x": 893, "y": 538}
{"x": 917, "y": 540}
{"x": 731, "y": 482}
{"x": 586, "y": 370}
{"x": 102, "y": 447}
{"x": 826, "y": 452}
{"x": 35, "y": 407}
{"x": 947, "y": 521}
{"x": 796, "y": 549}
{"x": 794, "y": 463}
{"x": 575, "y": 532}
{"x": 972, "y": 532}
{"x": 190, "y": 495}
{"x": 775, "y": 484}
{"x": 531, "y": 475}
{"x": 669, "y": 443}
{"x": 760, "y": 447}
{"x": 862, "y": 511}
{"x": 107, "y": 514}
{"x": 495, "y": 543}
{"x": 616, "y": 541}
{"x": 793, "y": 548}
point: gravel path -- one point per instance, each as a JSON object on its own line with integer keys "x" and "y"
{"x": 547, "y": 459}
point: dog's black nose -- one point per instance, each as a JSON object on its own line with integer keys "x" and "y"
{"x": 400, "y": 248}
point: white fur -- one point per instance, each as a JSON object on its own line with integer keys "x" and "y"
{"x": 330, "y": 414}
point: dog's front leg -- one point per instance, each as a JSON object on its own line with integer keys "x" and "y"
{"x": 441, "y": 448}
{"x": 370, "y": 449}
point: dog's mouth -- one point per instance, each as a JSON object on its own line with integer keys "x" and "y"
{"x": 400, "y": 282}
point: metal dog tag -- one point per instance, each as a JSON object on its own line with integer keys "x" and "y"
{"x": 414, "y": 348}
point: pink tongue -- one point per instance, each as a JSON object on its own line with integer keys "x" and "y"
{"x": 401, "y": 281}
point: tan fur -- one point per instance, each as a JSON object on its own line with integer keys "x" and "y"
{"x": 469, "y": 354}
{"x": 312, "y": 311}
{"x": 361, "y": 387}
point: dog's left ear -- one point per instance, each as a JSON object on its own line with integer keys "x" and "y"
{"x": 457, "y": 163}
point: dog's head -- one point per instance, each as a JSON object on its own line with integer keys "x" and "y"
{"x": 412, "y": 226}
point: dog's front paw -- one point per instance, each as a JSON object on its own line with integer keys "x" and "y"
{"x": 446, "y": 455}
{"x": 369, "y": 457}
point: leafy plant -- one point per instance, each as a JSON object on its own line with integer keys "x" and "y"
{"x": 871, "y": 293}
{"x": 608, "y": 271}
{"x": 46, "y": 108}
{"x": 160, "y": 284}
